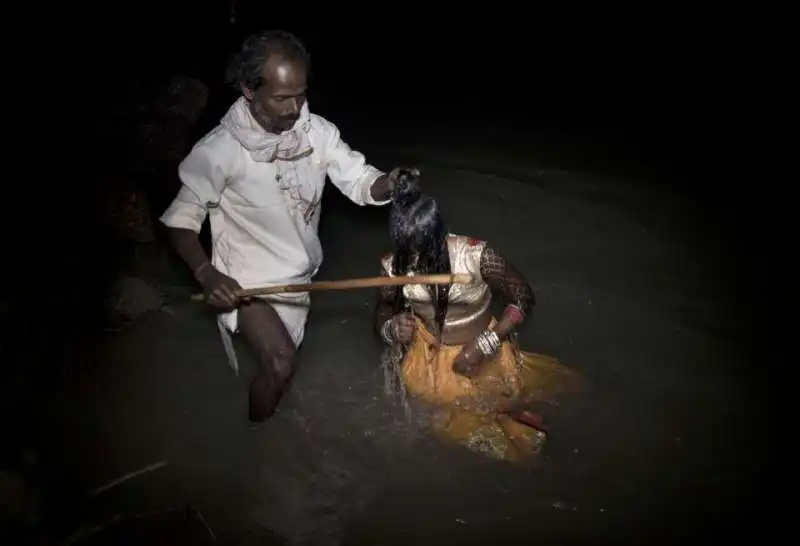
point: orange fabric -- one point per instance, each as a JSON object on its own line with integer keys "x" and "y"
{"x": 472, "y": 410}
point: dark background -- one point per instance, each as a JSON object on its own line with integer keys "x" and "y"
{"x": 664, "y": 87}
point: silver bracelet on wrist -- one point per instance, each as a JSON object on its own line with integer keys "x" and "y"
{"x": 488, "y": 343}
{"x": 386, "y": 332}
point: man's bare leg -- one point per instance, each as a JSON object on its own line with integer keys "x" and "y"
{"x": 265, "y": 333}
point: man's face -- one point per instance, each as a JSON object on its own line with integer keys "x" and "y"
{"x": 277, "y": 103}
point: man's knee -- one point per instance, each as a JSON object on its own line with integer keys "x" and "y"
{"x": 280, "y": 357}
{"x": 265, "y": 332}
{"x": 284, "y": 366}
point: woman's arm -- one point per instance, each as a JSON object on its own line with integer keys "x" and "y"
{"x": 510, "y": 285}
{"x": 507, "y": 283}
{"x": 392, "y": 326}
{"x": 385, "y": 306}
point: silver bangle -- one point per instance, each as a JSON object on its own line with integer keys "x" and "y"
{"x": 386, "y": 332}
{"x": 488, "y": 343}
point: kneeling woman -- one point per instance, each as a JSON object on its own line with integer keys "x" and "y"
{"x": 447, "y": 349}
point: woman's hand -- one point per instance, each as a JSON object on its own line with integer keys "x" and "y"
{"x": 471, "y": 358}
{"x": 469, "y": 361}
{"x": 401, "y": 328}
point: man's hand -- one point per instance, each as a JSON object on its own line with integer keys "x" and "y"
{"x": 219, "y": 289}
{"x": 403, "y": 327}
{"x": 394, "y": 174}
{"x": 383, "y": 188}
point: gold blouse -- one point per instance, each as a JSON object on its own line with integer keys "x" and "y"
{"x": 466, "y": 302}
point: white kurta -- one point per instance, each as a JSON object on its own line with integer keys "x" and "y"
{"x": 264, "y": 212}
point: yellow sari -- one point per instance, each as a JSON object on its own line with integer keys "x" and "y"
{"x": 474, "y": 410}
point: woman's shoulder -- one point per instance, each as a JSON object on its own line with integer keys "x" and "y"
{"x": 465, "y": 253}
{"x": 466, "y": 241}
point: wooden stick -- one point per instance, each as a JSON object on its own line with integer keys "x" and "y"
{"x": 348, "y": 284}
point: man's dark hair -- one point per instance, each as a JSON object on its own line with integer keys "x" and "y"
{"x": 246, "y": 66}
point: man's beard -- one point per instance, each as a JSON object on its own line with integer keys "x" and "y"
{"x": 285, "y": 124}
{"x": 277, "y": 125}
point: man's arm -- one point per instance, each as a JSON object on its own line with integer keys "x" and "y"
{"x": 349, "y": 171}
{"x": 187, "y": 245}
{"x": 381, "y": 189}
{"x": 202, "y": 183}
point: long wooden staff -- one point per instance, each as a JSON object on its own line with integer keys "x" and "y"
{"x": 348, "y": 284}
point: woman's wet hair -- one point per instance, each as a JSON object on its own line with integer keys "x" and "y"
{"x": 417, "y": 230}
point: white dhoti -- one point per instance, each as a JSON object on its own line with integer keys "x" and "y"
{"x": 262, "y": 194}
{"x": 292, "y": 312}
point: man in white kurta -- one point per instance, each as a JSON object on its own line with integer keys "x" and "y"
{"x": 259, "y": 177}
{"x": 264, "y": 213}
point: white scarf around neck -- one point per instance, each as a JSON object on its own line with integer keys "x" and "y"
{"x": 263, "y": 146}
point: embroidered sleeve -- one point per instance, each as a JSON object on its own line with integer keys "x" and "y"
{"x": 347, "y": 168}
{"x": 504, "y": 279}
